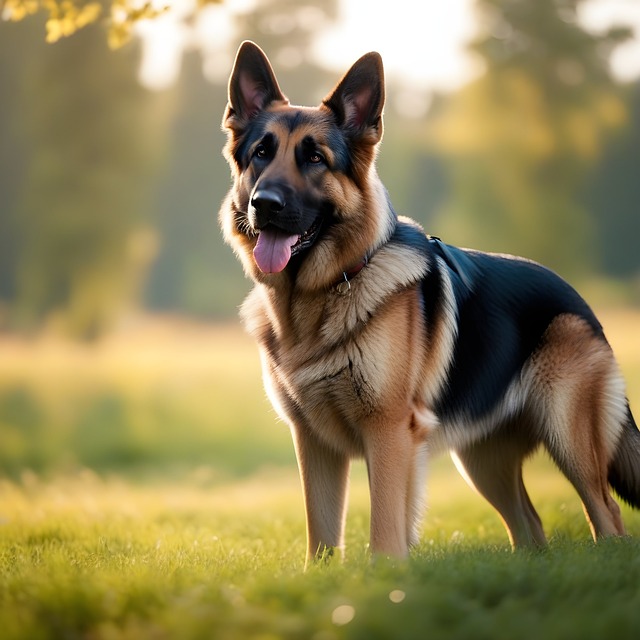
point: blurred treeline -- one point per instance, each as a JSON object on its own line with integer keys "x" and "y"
{"x": 109, "y": 192}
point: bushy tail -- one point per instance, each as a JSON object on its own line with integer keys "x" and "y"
{"x": 624, "y": 470}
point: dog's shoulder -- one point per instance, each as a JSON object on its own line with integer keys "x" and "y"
{"x": 402, "y": 261}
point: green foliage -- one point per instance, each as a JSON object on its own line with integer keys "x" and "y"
{"x": 66, "y": 17}
{"x": 611, "y": 189}
{"x": 545, "y": 39}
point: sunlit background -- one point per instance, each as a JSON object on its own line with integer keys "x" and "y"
{"x": 511, "y": 126}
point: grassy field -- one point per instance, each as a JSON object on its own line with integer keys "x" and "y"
{"x": 87, "y": 558}
{"x": 159, "y": 395}
{"x": 148, "y": 492}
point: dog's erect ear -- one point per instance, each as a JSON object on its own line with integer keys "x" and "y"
{"x": 252, "y": 86}
{"x": 358, "y": 99}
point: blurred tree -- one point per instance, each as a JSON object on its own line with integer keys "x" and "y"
{"x": 13, "y": 154}
{"x": 612, "y": 191}
{"x": 194, "y": 272}
{"x": 520, "y": 139}
{"x": 89, "y": 138}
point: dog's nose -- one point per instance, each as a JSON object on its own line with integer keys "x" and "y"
{"x": 267, "y": 202}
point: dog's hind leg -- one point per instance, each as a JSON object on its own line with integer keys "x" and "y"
{"x": 494, "y": 468}
{"x": 588, "y": 474}
{"x": 581, "y": 394}
{"x": 586, "y": 467}
{"x": 579, "y": 447}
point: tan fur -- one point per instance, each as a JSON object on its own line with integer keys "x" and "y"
{"x": 356, "y": 381}
{"x": 576, "y": 373}
{"x": 569, "y": 398}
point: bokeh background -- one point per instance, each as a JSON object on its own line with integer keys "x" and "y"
{"x": 511, "y": 126}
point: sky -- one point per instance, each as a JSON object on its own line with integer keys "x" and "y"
{"x": 427, "y": 51}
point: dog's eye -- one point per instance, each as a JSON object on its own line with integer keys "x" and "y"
{"x": 260, "y": 152}
{"x": 313, "y": 157}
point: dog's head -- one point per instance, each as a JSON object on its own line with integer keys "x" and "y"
{"x": 306, "y": 201}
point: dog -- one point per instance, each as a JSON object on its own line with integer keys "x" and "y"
{"x": 381, "y": 342}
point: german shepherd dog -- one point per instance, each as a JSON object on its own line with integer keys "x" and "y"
{"x": 381, "y": 342}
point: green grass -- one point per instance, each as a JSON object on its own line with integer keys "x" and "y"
{"x": 82, "y": 557}
{"x": 149, "y": 492}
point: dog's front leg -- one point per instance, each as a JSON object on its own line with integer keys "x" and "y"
{"x": 391, "y": 456}
{"x": 325, "y": 477}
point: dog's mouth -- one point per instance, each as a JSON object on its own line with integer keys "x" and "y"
{"x": 275, "y": 247}
{"x": 306, "y": 240}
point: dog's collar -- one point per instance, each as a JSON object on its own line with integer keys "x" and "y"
{"x": 343, "y": 285}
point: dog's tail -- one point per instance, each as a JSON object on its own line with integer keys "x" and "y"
{"x": 624, "y": 470}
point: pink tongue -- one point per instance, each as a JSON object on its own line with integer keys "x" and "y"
{"x": 273, "y": 250}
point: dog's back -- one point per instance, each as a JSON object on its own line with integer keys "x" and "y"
{"x": 530, "y": 365}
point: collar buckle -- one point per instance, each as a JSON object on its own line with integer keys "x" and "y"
{"x": 343, "y": 286}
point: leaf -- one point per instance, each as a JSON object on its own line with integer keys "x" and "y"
{"x": 16, "y": 10}
{"x": 119, "y": 34}
{"x": 65, "y": 18}
{"x": 88, "y": 14}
